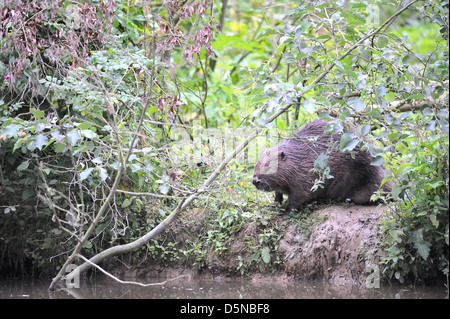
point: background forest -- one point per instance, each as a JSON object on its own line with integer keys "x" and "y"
{"x": 116, "y": 115}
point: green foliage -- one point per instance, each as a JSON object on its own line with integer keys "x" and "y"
{"x": 76, "y": 81}
{"x": 416, "y": 230}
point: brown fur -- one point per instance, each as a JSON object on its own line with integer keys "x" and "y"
{"x": 285, "y": 169}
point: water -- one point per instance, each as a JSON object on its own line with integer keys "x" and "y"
{"x": 203, "y": 288}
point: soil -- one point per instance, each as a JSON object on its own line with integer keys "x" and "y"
{"x": 338, "y": 247}
{"x": 340, "y": 250}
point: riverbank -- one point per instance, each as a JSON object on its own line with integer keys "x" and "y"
{"x": 335, "y": 243}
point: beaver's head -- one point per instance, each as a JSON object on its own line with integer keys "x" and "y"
{"x": 267, "y": 169}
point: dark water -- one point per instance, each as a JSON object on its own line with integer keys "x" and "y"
{"x": 186, "y": 288}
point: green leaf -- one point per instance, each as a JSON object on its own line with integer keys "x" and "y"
{"x": 84, "y": 125}
{"x": 380, "y": 91}
{"x": 28, "y": 193}
{"x": 38, "y": 114}
{"x": 11, "y": 130}
{"x": 266, "y": 33}
{"x": 88, "y": 133}
{"x": 100, "y": 228}
{"x": 363, "y": 129}
{"x": 59, "y": 147}
{"x": 164, "y": 188}
{"x": 309, "y": 106}
{"x": 423, "y": 247}
{"x": 357, "y": 103}
{"x": 73, "y": 137}
{"x": 126, "y": 203}
{"x": 348, "y": 142}
{"x": 382, "y": 41}
{"x": 393, "y": 136}
{"x": 350, "y": 73}
{"x": 103, "y": 174}
{"x": 85, "y": 174}
{"x": 265, "y": 255}
{"x": 321, "y": 162}
{"x": 40, "y": 141}
{"x": 23, "y": 166}
{"x": 87, "y": 245}
{"x": 434, "y": 220}
{"x": 339, "y": 64}
{"x": 377, "y": 161}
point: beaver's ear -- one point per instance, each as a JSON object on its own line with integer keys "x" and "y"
{"x": 283, "y": 156}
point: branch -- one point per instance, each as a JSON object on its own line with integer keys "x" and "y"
{"x": 404, "y": 106}
{"x": 129, "y": 282}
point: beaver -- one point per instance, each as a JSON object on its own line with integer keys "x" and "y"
{"x": 287, "y": 169}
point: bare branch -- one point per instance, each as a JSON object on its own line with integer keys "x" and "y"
{"x": 126, "y": 282}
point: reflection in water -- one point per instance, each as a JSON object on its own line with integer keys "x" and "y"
{"x": 202, "y": 288}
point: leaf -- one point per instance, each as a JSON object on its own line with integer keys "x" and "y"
{"x": 59, "y": 147}
{"x": 126, "y": 203}
{"x": 380, "y": 91}
{"x": 392, "y": 136}
{"x": 348, "y": 142}
{"x": 23, "y": 166}
{"x": 39, "y": 127}
{"x": 87, "y": 245}
{"x": 423, "y": 247}
{"x": 97, "y": 160}
{"x": 266, "y": 32}
{"x": 100, "y": 228}
{"x": 84, "y": 125}
{"x": 40, "y": 141}
{"x": 164, "y": 188}
{"x": 73, "y": 137}
{"x": 57, "y": 135}
{"x": 377, "y": 161}
{"x": 309, "y": 106}
{"x": 357, "y": 103}
{"x": 28, "y": 193}
{"x": 382, "y": 41}
{"x": 284, "y": 38}
{"x": 11, "y": 130}
{"x": 321, "y": 162}
{"x": 364, "y": 129}
{"x": 85, "y": 174}
{"x": 37, "y": 113}
{"x": 103, "y": 174}
{"x": 339, "y": 65}
{"x": 135, "y": 167}
{"x": 350, "y": 73}
{"x": 88, "y": 133}
{"x": 434, "y": 220}
{"x": 265, "y": 255}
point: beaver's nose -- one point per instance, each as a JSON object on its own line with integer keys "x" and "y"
{"x": 255, "y": 181}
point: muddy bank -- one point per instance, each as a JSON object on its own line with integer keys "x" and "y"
{"x": 334, "y": 243}
{"x": 340, "y": 250}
